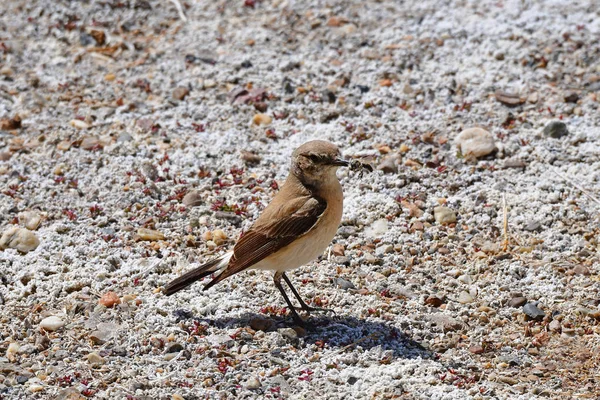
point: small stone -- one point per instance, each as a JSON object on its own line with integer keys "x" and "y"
{"x": 176, "y": 396}
{"x": 150, "y": 235}
{"x": 99, "y": 36}
{"x": 30, "y": 219}
{"x": 508, "y": 380}
{"x": 444, "y": 215}
{"x": 533, "y": 226}
{"x": 556, "y": 130}
{"x": 386, "y": 82}
{"x": 94, "y": 359}
{"x": 533, "y": 312}
{"x": 261, "y": 119}
{"x": 64, "y": 145}
{"x": 174, "y": 348}
{"x": 9, "y": 124}
{"x": 589, "y": 312}
{"x": 180, "y": 92}
{"x": 192, "y": 199}
{"x": 384, "y": 249}
{"x": 388, "y": 165}
{"x": 261, "y": 324}
{"x": 465, "y": 298}
{"x": 338, "y": 250}
{"x": 5, "y": 155}
{"x": 20, "y": 239}
{"x": 249, "y": 157}
{"x": 253, "y": 383}
{"x": 476, "y": 349}
{"x": 288, "y": 333}
{"x": 446, "y": 322}
{"x": 101, "y": 336}
{"x": 109, "y": 299}
{"x": 371, "y": 259}
{"x": 580, "y": 270}
{"x": 79, "y": 124}
{"x": 555, "y": 326}
{"x": 219, "y": 237}
{"x": 90, "y": 143}
{"x": 533, "y": 97}
{"x": 35, "y": 388}
{"x": 124, "y": 137}
{"x": 475, "y": 142}
{"x": 110, "y": 77}
{"x": 343, "y": 284}
{"x": 434, "y": 301}
{"x": 11, "y": 351}
{"x": 509, "y": 99}
{"x": 52, "y": 323}
{"x": 571, "y": 97}
{"x": 377, "y": 228}
{"x": 512, "y": 163}
{"x": 416, "y": 226}
{"x": 517, "y": 302}
{"x": 336, "y": 21}
{"x": 343, "y": 260}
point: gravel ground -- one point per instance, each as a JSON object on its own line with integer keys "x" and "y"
{"x": 135, "y": 141}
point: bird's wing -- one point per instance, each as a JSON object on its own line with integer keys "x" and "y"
{"x": 268, "y": 235}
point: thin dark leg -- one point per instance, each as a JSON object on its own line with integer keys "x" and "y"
{"x": 303, "y": 305}
{"x": 277, "y": 282}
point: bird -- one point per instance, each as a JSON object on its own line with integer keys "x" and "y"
{"x": 295, "y": 228}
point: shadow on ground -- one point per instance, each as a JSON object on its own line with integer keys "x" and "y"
{"x": 342, "y": 332}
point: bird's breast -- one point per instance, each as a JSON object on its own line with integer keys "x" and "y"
{"x": 310, "y": 245}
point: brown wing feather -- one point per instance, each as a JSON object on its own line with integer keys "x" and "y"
{"x": 264, "y": 240}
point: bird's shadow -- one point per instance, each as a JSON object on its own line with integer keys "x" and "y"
{"x": 339, "y": 331}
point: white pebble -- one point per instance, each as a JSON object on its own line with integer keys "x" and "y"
{"x": 19, "y": 238}
{"x": 52, "y": 323}
{"x": 475, "y": 142}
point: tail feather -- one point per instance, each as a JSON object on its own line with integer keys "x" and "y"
{"x": 196, "y": 274}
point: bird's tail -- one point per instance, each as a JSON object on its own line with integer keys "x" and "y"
{"x": 185, "y": 280}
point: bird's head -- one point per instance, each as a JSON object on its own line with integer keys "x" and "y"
{"x": 315, "y": 162}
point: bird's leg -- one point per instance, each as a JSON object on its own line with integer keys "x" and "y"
{"x": 277, "y": 281}
{"x": 303, "y": 305}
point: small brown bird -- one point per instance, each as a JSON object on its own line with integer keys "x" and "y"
{"x": 294, "y": 229}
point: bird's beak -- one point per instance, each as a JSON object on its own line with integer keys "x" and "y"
{"x": 338, "y": 162}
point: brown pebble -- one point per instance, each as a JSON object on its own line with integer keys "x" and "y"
{"x": 149, "y": 234}
{"x": 476, "y": 349}
{"x": 64, "y": 145}
{"x": 7, "y": 124}
{"x": 580, "y": 270}
{"x": 99, "y": 36}
{"x": 261, "y": 324}
{"x": 261, "y": 119}
{"x": 180, "y": 92}
{"x": 261, "y": 106}
{"x": 250, "y": 157}
{"x": 109, "y": 299}
{"x": 434, "y": 301}
{"x": 416, "y": 226}
{"x": 338, "y": 250}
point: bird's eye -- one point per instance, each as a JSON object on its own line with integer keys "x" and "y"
{"x": 314, "y": 158}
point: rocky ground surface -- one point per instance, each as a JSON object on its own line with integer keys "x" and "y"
{"x": 137, "y": 139}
